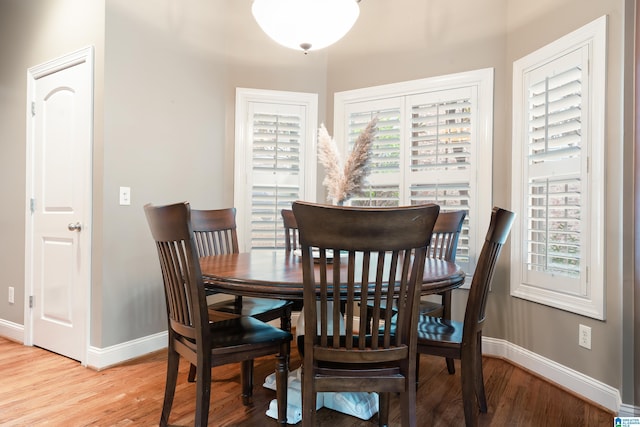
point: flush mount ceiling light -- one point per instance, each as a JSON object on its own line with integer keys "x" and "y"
{"x": 305, "y": 24}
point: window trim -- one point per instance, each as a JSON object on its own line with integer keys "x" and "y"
{"x": 244, "y": 97}
{"x": 593, "y": 36}
{"x": 483, "y": 81}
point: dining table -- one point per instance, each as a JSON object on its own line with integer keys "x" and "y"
{"x": 278, "y": 274}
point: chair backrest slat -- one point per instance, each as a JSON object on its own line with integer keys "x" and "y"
{"x": 375, "y": 254}
{"x": 215, "y": 231}
{"x": 446, "y": 231}
{"x": 290, "y": 229}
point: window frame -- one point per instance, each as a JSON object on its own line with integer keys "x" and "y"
{"x": 482, "y": 82}
{"x": 590, "y": 301}
{"x": 245, "y": 97}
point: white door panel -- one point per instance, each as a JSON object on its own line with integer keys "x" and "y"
{"x": 59, "y": 185}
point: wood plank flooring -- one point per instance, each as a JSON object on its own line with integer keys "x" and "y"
{"x": 41, "y": 388}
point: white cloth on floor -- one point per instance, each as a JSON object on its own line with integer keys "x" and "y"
{"x": 362, "y": 405}
{"x": 358, "y": 404}
{"x": 294, "y": 414}
{"x": 294, "y": 390}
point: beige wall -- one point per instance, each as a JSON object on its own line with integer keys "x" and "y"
{"x": 166, "y": 74}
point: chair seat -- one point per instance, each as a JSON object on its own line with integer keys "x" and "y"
{"x": 261, "y": 308}
{"x": 439, "y": 330}
{"x": 426, "y": 308}
{"x": 431, "y": 308}
{"x": 244, "y": 331}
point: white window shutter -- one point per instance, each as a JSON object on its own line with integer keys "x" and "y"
{"x": 275, "y": 171}
{"x": 434, "y": 136}
{"x": 558, "y": 173}
{"x": 275, "y": 164}
{"x": 442, "y": 157}
{"x": 555, "y": 170}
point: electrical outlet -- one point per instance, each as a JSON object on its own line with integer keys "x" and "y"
{"x": 584, "y": 336}
{"x": 12, "y": 295}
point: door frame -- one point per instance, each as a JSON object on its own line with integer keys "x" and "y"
{"x": 84, "y": 55}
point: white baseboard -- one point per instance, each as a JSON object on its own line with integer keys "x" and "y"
{"x": 11, "y": 330}
{"x": 629, "y": 411}
{"x": 568, "y": 378}
{"x": 101, "y": 358}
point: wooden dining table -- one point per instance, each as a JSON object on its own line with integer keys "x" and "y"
{"x": 278, "y": 274}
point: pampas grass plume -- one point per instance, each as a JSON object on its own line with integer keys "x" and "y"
{"x": 342, "y": 182}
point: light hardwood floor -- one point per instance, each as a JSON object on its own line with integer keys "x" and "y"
{"x": 41, "y": 388}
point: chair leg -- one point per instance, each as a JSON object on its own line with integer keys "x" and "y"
{"x": 383, "y": 409}
{"x": 282, "y": 373}
{"x": 203, "y": 390}
{"x": 451, "y": 367}
{"x": 173, "y": 360}
{"x": 285, "y": 320}
{"x": 479, "y": 379}
{"x": 246, "y": 375}
{"x": 467, "y": 367}
{"x": 192, "y": 374}
{"x": 368, "y": 323}
{"x": 408, "y": 407}
{"x": 309, "y": 397}
{"x": 417, "y": 370}
{"x": 446, "y": 314}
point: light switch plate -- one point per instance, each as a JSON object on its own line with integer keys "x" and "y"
{"x": 125, "y": 196}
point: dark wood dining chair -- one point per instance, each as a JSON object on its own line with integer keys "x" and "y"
{"x": 215, "y": 233}
{"x": 377, "y": 245}
{"x": 443, "y": 245}
{"x": 290, "y": 230}
{"x": 291, "y": 240}
{"x": 463, "y": 340}
{"x": 203, "y": 343}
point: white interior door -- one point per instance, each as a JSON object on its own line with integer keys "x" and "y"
{"x": 60, "y": 116}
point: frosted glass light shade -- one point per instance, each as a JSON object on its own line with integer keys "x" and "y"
{"x": 305, "y": 24}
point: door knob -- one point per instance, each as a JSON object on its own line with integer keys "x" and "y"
{"x": 75, "y": 227}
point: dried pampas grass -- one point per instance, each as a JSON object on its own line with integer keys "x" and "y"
{"x": 342, "y": 182}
